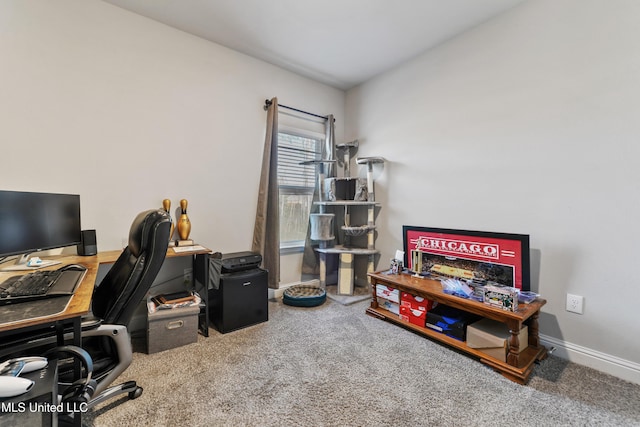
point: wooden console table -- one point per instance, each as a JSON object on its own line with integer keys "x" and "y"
{"x": 518, "y": 366}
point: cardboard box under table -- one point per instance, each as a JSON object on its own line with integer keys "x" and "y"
{"x": 171, "y": 328}
{"x": 492, "y": 337}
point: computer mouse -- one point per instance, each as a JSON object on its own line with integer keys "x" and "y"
{"x": 32, "y": 363}
{"x": 13, "y": 386}
{"x": 11, "y": 368}
{"x": 22, "y": 365}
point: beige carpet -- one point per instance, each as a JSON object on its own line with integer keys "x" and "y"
{"x": 333, "y": 365}
{"x": 360, "y": 293}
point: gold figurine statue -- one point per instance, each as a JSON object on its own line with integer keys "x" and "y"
{"x": 184, "y": 224}
{"x": 166, "y": 204}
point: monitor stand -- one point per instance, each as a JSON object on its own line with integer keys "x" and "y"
{"x": 22, "y": 264}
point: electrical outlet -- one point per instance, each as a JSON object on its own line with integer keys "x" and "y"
{"x": 188, "y": 276}
{"x": 575, "y": 303}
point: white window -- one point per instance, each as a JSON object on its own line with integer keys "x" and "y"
{"x": 296, "y": 184}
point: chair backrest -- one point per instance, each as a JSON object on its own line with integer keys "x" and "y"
{"x": 125, "y": 285}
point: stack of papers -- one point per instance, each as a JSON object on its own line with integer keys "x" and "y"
{"x": 194, "y": 248}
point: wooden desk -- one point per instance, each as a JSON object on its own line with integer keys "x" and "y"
{"x": 109, "y": 257}
{"x": 77, "y": 307}
{"x": 200, "y": 277}
{"x": 12, "y": 324}
{"x": 12, "y": 329}
{"x": 518, "y": 366}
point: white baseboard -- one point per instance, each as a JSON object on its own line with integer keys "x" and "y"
{"x": 612, "y": 365}
{"x": 277, "y": 293}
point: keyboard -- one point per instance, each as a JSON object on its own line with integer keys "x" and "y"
{"x": 41, "y": 284}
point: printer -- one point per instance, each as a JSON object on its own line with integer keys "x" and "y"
{"x": 240, "y": 261}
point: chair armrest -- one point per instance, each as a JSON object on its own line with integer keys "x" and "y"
{"x": 90, "y": 322}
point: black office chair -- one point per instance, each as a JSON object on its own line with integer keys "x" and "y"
{"x": 104, "y": 333}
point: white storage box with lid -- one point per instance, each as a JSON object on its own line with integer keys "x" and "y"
{"x": 171, "y": 328}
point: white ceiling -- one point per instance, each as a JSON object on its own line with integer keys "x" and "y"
{"x": 338, "y": 42}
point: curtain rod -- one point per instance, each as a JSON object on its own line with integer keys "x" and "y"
{"x": 267, "y": 103}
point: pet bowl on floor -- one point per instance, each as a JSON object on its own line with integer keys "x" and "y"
{"x": 304, "y": 296}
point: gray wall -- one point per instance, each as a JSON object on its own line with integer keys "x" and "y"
{"x": 526, "y": 124}
{"x": 126, "y": 112}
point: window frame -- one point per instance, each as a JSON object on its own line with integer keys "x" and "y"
{"x": 297, "y": 246}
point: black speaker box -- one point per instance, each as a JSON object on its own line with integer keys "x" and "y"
{"x": 88, "y": 245}
{"x": 240, "y": 300}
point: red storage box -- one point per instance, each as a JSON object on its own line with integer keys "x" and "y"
{"x": 413, "y": 315}
{"x": 415, "y": 302}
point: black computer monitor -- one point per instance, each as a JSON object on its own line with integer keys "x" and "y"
{"x": 30, "y": 222}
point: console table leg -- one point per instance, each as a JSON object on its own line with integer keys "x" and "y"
{"x": 513, "y": 357}
{"x": 534, "y": 334}
{"x": 374, "y": 298}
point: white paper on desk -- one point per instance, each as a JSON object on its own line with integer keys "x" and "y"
{"x": 399, "y": 255}
{"x": 178, "y": 249}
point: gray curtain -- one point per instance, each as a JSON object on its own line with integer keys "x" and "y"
{"x": 329, "y": 147}
{"x": 310, "y": 258}
{"x": 266, "y": 231}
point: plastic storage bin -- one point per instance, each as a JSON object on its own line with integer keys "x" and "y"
{"x": 172, "y": 328}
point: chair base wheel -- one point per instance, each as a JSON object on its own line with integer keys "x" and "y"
{"x": 136, "y": 393}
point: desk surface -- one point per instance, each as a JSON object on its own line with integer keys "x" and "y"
{"x": 80, "y": 302}
{"x": 109, "y": 257}
{"x": 78, "y": 305}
